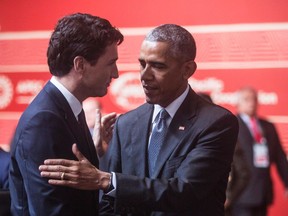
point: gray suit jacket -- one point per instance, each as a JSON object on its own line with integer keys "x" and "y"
{"x": 193, "y": 165}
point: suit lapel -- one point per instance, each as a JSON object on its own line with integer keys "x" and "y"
{"x": 140, "y": 139}
{"x": 180, "y": 124}
{"x": 84, "y": 143}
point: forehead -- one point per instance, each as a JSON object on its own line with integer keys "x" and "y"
{"x": 244, "y": 94}
{"x": 154, "y": 50}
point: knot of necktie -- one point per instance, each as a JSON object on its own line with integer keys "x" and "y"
{"x": 161, "y": 120}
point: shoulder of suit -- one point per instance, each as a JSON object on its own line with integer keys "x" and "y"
{"x": 144, "y": 108}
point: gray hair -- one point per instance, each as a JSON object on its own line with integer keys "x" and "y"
{"x": 181, "y": 42}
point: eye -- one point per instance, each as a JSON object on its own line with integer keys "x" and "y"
{"x": 112, "y": 62}
{"x": 142, "y": 64}
{"x": 158, "y": 65}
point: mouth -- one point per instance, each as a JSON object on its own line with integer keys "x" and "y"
{"x": 149, "y": 89}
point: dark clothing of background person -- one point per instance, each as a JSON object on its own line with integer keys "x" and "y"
{"x": 258, "y": 194}
{"x": 238, "y": 179}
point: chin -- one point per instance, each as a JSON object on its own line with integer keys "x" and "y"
{"x": 151, "y": 101}
{"x": 100, "y": 94}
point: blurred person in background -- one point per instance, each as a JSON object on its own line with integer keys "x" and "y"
{"x": 261, "y": 147}
{"x": 238, "y": 179}
{"x": 82, "y": 55}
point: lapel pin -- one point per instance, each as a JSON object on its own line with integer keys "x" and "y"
{"x": 181, "y": 128}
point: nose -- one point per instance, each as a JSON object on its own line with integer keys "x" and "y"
{"x": 115, "y": 73}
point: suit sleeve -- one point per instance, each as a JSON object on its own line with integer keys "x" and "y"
{"x": 196, "y": 176}
{"x": 279, "y": 156}
{"x": 44, "y": 136}
{"x": 239, "y": 175}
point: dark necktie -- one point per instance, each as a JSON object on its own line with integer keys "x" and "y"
{"x": 157, "y": 139}
{"x": 85, "y": 131}
{"x": 82, "y": 120}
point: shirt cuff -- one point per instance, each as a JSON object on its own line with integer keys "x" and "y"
{"x": 112, "y": 192}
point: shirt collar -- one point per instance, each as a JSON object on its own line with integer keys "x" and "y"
{"x": 172, "y": 107}
{"x": 73, "y": 102}
{"x": 246, "y": 118}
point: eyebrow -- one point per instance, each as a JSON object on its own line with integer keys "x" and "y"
{"x": 152, "y": 62}
{"x": 114, "y": 59}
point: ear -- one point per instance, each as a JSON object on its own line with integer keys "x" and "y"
{"x": 79, "y": 64}
{"x": 190, "y": 68}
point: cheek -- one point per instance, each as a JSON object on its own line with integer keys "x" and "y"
{"x": 100, "y": 76}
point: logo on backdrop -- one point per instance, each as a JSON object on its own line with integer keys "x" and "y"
{"x": 6, "y": 91}
{"x": 27, "y": 89}
{"x": 216, "y": 88}
{"x": 127, "y": 92}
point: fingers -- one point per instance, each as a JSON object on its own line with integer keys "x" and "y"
{"x": 77, "y": 153}
{"x": 52, "y": 174}
{"x": 97, "y": 139}
{"x": 98, "y": 117}
{"x": 108, "y": 121}
{"x": 68, "y": 183}
{"x": 60, "y": 162}
{"x": 97, "y": 126}
{"x": 58, "y": 176}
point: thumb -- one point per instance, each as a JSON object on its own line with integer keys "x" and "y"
{"x": 77, "y": 153}
{"x": 98, "y": 117}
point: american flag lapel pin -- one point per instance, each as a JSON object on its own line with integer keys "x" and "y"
{"x": 181, "y": 128}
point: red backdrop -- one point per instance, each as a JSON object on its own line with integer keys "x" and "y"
{"x": 239, "y": 43}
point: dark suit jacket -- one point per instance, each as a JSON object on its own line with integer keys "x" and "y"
{"x": 238, "y": 179}
{"x": 4, "y": 169}
{"x": 47, "y": 129}
{"x": 259, "y": 190}
{"x": 192, "y": 168}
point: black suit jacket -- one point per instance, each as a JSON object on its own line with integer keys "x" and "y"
{"x": 259, "y": 190}
{"x": 193, "y": 165}
{"x": 47, "y": 129}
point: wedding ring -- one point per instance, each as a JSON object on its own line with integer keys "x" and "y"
{"x": 62, "y": 176}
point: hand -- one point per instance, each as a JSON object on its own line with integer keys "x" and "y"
{"x": 103, "y": 134}
{"x": 76, "y": 174}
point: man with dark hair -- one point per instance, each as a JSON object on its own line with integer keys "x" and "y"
{"x": 170, "y": 156}
{"x": 82, "y": 56}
